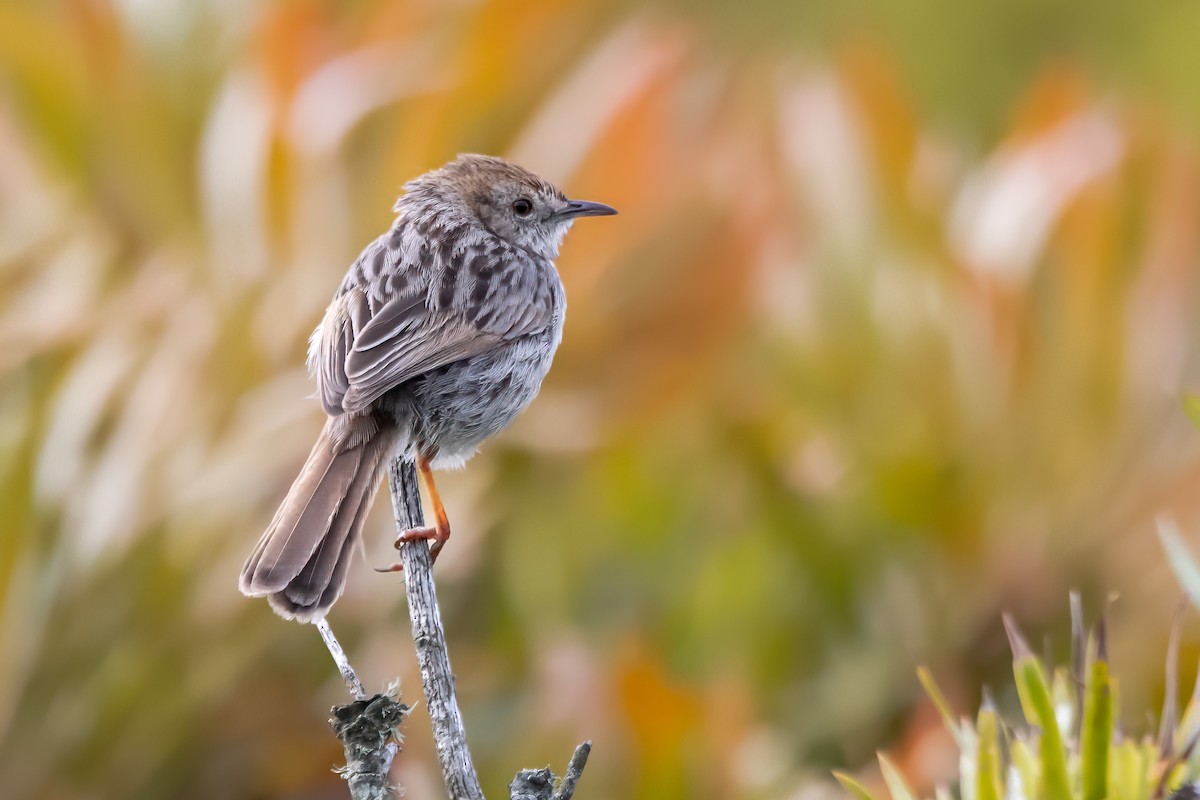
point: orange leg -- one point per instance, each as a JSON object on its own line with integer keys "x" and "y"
{"x": 440, "y": 532}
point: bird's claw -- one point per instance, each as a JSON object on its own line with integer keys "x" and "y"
{"x": 422, "y": 534}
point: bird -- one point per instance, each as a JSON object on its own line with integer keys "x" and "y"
{"x": 439, "y": 335}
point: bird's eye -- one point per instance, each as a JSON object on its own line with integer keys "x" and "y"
{"x": 522, "y": 207}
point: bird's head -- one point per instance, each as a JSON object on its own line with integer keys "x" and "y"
{"x": 509, "y": 201}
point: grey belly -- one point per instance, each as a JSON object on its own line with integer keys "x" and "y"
{"x": 451, "y": 410}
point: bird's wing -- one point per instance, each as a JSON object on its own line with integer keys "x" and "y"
{"x": 370, "y": 344}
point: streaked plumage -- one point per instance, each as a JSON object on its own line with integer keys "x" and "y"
{"x": 440, "y": 334}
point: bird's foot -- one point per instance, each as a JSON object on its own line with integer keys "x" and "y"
{"x": 423, "y": 534}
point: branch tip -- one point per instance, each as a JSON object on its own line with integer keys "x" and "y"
{"x": 578, "y": 761}
{"x": 369, "y": 730}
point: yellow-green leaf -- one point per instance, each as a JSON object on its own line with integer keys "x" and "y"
{"x": 1096, "y": 733}
{"x": 1063, "y": 693}
{"x": 894, "y": 780}
{"x": 987, "y": 763}
{"x": 1035, "y": 693}
{"x": 1026, "y": 764}
{"x": 853, "y": 786}
{"x": 941, "y": 704}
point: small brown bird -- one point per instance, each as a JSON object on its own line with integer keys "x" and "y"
{"x": 440, "y": 334}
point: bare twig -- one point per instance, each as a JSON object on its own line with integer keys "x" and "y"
{"x": 339, "y": 657}
{"x": 369, "y": 728}
{"x": 457, "y": 769}
{"x": 566, "y": 790}
{"x": 541, "y": 784}
{"x": 432, "y": 656}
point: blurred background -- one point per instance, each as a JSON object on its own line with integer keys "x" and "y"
{"x": 893, "y": 333}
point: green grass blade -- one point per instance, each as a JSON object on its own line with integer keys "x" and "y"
{"x": 1021, "y": 651}
{"x": 1034, "y": 690}
{"x": 1095, "y": 736}
{"x": 941, "y": 704}
{"x": 987, "y": 757}
{"x": 1066, "y": 710}
{"x": 1149, "y": 771}
{"x": 852, "y": 786}
{"x": 1126, "y": 771}
{"x": 894, "y": 780}
{"x": 1027, "y": 766}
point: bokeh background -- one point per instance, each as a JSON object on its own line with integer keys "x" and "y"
{"x": 893, "y": 333}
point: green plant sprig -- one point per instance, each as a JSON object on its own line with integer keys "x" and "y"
{"x": 1068, "y": 746}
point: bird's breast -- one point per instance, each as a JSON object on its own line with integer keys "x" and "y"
{"x": 455, "y": 408}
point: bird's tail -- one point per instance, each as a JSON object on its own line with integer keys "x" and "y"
{"x": 300, "y": 562}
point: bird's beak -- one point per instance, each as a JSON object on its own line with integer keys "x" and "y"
{"x": 586, "y": 208}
